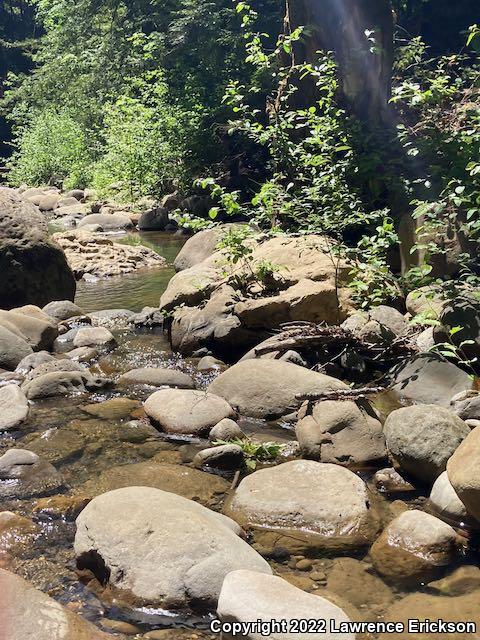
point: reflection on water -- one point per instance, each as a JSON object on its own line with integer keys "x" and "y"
{"x": 135, "y": 290}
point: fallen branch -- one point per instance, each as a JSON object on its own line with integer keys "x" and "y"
{"x": 340, "y": 394}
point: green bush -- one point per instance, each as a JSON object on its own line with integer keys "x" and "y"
{"x": 53, "y": 145}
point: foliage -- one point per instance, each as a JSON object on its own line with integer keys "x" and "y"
{"x": 255, "y": 452}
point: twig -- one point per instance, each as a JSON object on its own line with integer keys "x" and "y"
{"x": 340, "y": 394}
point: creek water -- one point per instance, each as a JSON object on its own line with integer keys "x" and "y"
{"x": 98, "y": 442}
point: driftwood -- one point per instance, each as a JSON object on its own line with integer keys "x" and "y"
{"x": 341, "y": 394}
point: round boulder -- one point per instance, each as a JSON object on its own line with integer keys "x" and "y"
{"x": 422, "y": 438}
{"x": 155, "y": 219}
{"x": 463, "y": 470}
{"x": 446, "y": 503}
{"x": 170, "y": 551}
{"x": 62, "y": 309}
{"x": 13, "y": 407}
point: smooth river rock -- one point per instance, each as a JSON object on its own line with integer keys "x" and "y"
{"x": 24, "y": 475}
{"x": 463, "y": 470}
{"x": 157, "y": 377}
{"x": 446, "y": 503}
{"x": 170, "y": 551}
{"x": 13, "y": 349}
{"x": 13, "y": 407}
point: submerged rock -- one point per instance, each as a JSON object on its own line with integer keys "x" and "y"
{"x": 422, "y": 438}
{"x": 13, "y": 407}
{"x": 29, "y": 613}
{"x": 172, "y": 561}
{"x": 180, "y": 411}
{"x": 413, "y": 546}
{"x": 304, "y": 505}
{"x": 24, "y": 475}
{"x": 268, "y": 388}
{"x": 248, "y": 596}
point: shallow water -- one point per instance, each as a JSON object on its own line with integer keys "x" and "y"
{"x": 135, "y": 290}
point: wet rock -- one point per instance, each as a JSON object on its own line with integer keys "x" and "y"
{"x": 252, "y": 386}
{"x": 16, "y": 533}
{"x": 157, "y": 377}
{"x": 248, "y": 596}
{"x": 226, "y": 429}
{"x": 206, "y": 488}
{"x": 112, "y": 409}
{"x": 33, "y": 267}
{"x": 429, "y": 379}
{"x": 67, "y": 507}
{"x": 39, "y": 334}
{"x": 342, "y": 433}
{"x": 354, "y": 581}
{"x": 413, "y": 546}
{"x": 155, "y": 219}
{"x": 422, "y": 438}
{"x": 195, "y": 547}
{"x": 463, "y": 470}
{"x": 225, "y": 456}
{"x": 466, "y": 405}
{"x": 186, "y": 412}
{"x": 33, "y": 360}
{"x": 13, "y": 407}
{"x": 462, "y": 580}
{"x": 58, "y": 446}
{"x": 63, "y": 383}
{"x": 390, "y": 481}
{"x": 446, "y": 503}
{"x": 422, "y": 606}
{"x": 24, "y": 475}
{"x": 62, "y": 309}
{"x": 94, "y": 337}
{"x": 29, "y": 613}
{"x": 307, "y": 505}
{"x": 209, "y": 363}
{"x": 13, "y": 349}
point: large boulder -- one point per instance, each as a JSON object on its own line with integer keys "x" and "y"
{"x": 304, "y": 284}
{"x": 185, "y": 411}
{"x": 33, "y": 267}
{"x": 58, "y": 383}
{"x": 446, "y": 503}
{"x": 62, "y": 309}
{"x": 170, "y": 551}
{"x": 155, "y": 219}
{"x": 429, "y": 379}
{"x": 13, "y": 407}
{"x": 39, "y": 333}
{"x": 269, "y": 388}
{"x": 108, "y": 222}
{"x": 247, "y": 596}
{"x": 412, "y": 546}
{"x": 342, "y": 433}
{"x": 13, "y": 349}
{"x": 199, "y": 247}
{"x": 463, "y": 470}
{"x": 304, "y": 504}
{"x": 422, "y": 438}
{"x": 28, "y": 613}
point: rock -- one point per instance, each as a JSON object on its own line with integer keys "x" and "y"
{"x": 413, "y": 546}
{"x": 33, "y": 361}
{"x": 209, "y": 363}
{"x": 16, "y": 534}
{"x": 422, "y": 438}
{"x": 24, "y": 475}
{"x": 390, "y": 481}
{"x": 252, "y": 386}
{"x": 446, "y": 504}
{"x": 149, "y": 317}
{"x": 112, "y": 409}
{"x": 426, "y": 301}
{"x": 66, "y": 507}
{"x": 38, "y": 333}
{"x": 13, "y": 349}
{"x": 111, "y": 318}
{"x": 78, "y": 194}
{"x": 462, "y": 580}
{"x": 425, "y": 340}
{"x": 33, "y": 267}
{"x": 108, "y": 222}
{"x": 429, "y": 379}
{"x": 466, "y": 405}
{"x": 62, "y": 309}
{"x": 463, "y": 470}
{"x": 155, "y": 219}
{"x": 463, "y": 312}
{"x": 62, "y": 383}
{"x": 307, "y": 286}
{"x": 247, "y": 596}
{"x": 342, "y": 433}
{"x": 65, "y": 364}
{"x": 307, "y": 505}
{"x": 13, "y": 407}
{"x": 426, "y": 607}
{"x": 225, "y": 456}
{"x": 390, "y": 318}
{"x": 195, "y": 547}
{"x": 354, "y": 581}
{"x": 199, "y": 247}
{"x": 82, "y": 354}
{"x": 189, "y": 412}
{"x": 94, "y": 337}
{"x": 206, "y": 488}
{"x": 58, "y": 446}
{"x": 91, "y": 255}
{"x": 29, "y": 613}
{"x": 157, "y": 377}
{"x": 226, "y": 429}
{"x": 48, "y": 202}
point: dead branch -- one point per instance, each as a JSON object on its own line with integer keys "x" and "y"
{"x": 341, "y": 394}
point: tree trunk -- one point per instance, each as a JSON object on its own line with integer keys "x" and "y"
{"x": 360, "y": 33}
